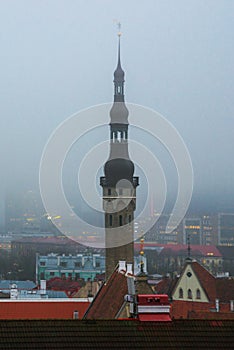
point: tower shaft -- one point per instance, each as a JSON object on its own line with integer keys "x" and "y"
{"x": 119, "y": 184}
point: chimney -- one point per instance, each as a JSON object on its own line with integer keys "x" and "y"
{"x": 232, "y": 305}
{"x": 43, "y": 287}
{"x": 217, "y": 305}
{"x": 129, "y": 269}
{"x": 14, "y": 292}
{"x": 122, "y": 265}
{"x": 153, "y": 307}
{"x": 75, "y": 315}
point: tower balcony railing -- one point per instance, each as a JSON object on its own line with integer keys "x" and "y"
{"x": 104, "y": 182}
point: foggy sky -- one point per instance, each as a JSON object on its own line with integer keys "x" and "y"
{"x": 58, "y": 57}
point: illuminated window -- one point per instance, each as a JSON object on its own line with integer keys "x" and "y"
{"x": 181, "y": 293}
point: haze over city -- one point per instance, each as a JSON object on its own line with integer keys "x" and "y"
{"x": 57, "y": 58}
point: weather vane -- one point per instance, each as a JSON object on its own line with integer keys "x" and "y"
{"x": 118, "y": 26}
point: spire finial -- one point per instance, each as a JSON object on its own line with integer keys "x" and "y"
{"x": 119, "y": 35}
{"x": 119, "y": 28}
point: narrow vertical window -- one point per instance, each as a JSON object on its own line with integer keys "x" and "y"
{"x": 129, "y": 218}
{"x": 109, "y": 191}
{"x": 110, "y": 220}
{"x": 190, "y": 294}
{"x": 120, "y": 220}
{"x": 181, "y": 293}
{"x": 198, "y": 294}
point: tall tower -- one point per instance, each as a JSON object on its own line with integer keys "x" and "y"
{"x": 119, "y": 184}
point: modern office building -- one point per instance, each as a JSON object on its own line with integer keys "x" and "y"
{"x": 192, "y": 231}
{"x": 226, "y": 229}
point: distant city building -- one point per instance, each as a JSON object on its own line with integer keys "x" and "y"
{"x": 29, "y": 246}
{"x": 25, "y": 215}
{"x": 226, "y": 229}
{"x": 192, "y": 231}
{"x": 5, "y": 241}
{"x": 23, "y": 212}
{"x": 170, "y": 258}
{"x": 81, "y": 266}
{"x": 158, "y": 232}
{"x": 207, "y": 230}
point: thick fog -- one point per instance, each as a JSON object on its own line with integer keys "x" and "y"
{"x": 58, "y": 57}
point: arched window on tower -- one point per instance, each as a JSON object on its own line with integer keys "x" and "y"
{"x": 181, "y": 293}
{"x": 198, "y": 294}
{"x": 190, "y": 296}
{"x": 110, "y": 220}
{"x": 120, "y": 220}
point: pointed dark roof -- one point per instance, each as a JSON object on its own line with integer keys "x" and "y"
{"x": 206, "y": 279}
{"x": 109, "y": 301}
{"x": 119, "y": 73}
{"x": 110, "y": 298}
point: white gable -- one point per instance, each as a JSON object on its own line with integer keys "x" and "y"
{"x": 188, "y": 287}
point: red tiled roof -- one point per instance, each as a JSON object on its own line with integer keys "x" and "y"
{"x": 196, "y": 250}
{"x": 59, "y": 284}
{"x": 46, "y": 240}
{"x": 188, "y": 309}
{"x": 154, "y": 317}
{"x": 41, "y": 309}
{"x": 109, "y": 299}
{"x": 206, "y": 279}
{"x": 225, "y": 289}
{"x": 165, "y": 286}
